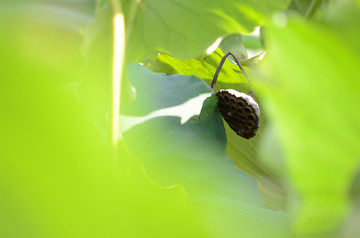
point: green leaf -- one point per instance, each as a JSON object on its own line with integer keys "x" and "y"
{"x": 243, "y": 152}
{"x": 178, "y": 146}
{"x": 311, "y": 90}
{"x": 246, "y": 154}
{"x": 252, "y": 42}
{"x": 171, "y": 25}
{"x": 158, "y": 26}
{"x": 57, "y": 177}
{"x": 203, "y": 68}
{"x": 301, "y": 6}
{"x": 234, "y": 44}
{"x": 254, "y": 60}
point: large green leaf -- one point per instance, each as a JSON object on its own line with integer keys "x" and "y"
{"x": 311, "y": 94}
{"x": 186, "y": 28}
{"x": 243, "y": 152}
{"x": 178, "y": 146}
{"x": 171, "y": 25}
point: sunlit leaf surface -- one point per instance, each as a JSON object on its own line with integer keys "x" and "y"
{"x": 203, "y": 68}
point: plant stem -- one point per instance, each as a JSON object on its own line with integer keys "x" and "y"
{"x": 217, "y": 72}
{"x": 117, "y": 67}
{"x": 312, "y": 8}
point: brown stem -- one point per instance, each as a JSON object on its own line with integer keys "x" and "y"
{"x": 217, "y": 72}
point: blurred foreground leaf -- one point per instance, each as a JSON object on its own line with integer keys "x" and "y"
{"x": 56, "y": 179}
{"x": 311, "y": 94}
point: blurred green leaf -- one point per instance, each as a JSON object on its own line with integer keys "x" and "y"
{"x": 252, "y": 42}
{"x": 233, "y": 43}
{"x": 254, "y": 61}
{"x": 301, "y": 6}
{"x": 170, "y": 26}
{"x": 311, "y": 91}
{"x": 246, "y": 155}
{"x": 56, "y": 178}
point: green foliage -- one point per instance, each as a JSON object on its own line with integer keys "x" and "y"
{"x": 243, "y": 152}
{"x": 178, "y": 169}
{"x": 310, "y": 94}
{"x": 300, "y": 5}
{"x": 204, "y": 68}
{"x": 170, "y": 26}
{"x": 57, "y": 177}
{"x": 234, "y": 43}
{"x": 179, "y": 146}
